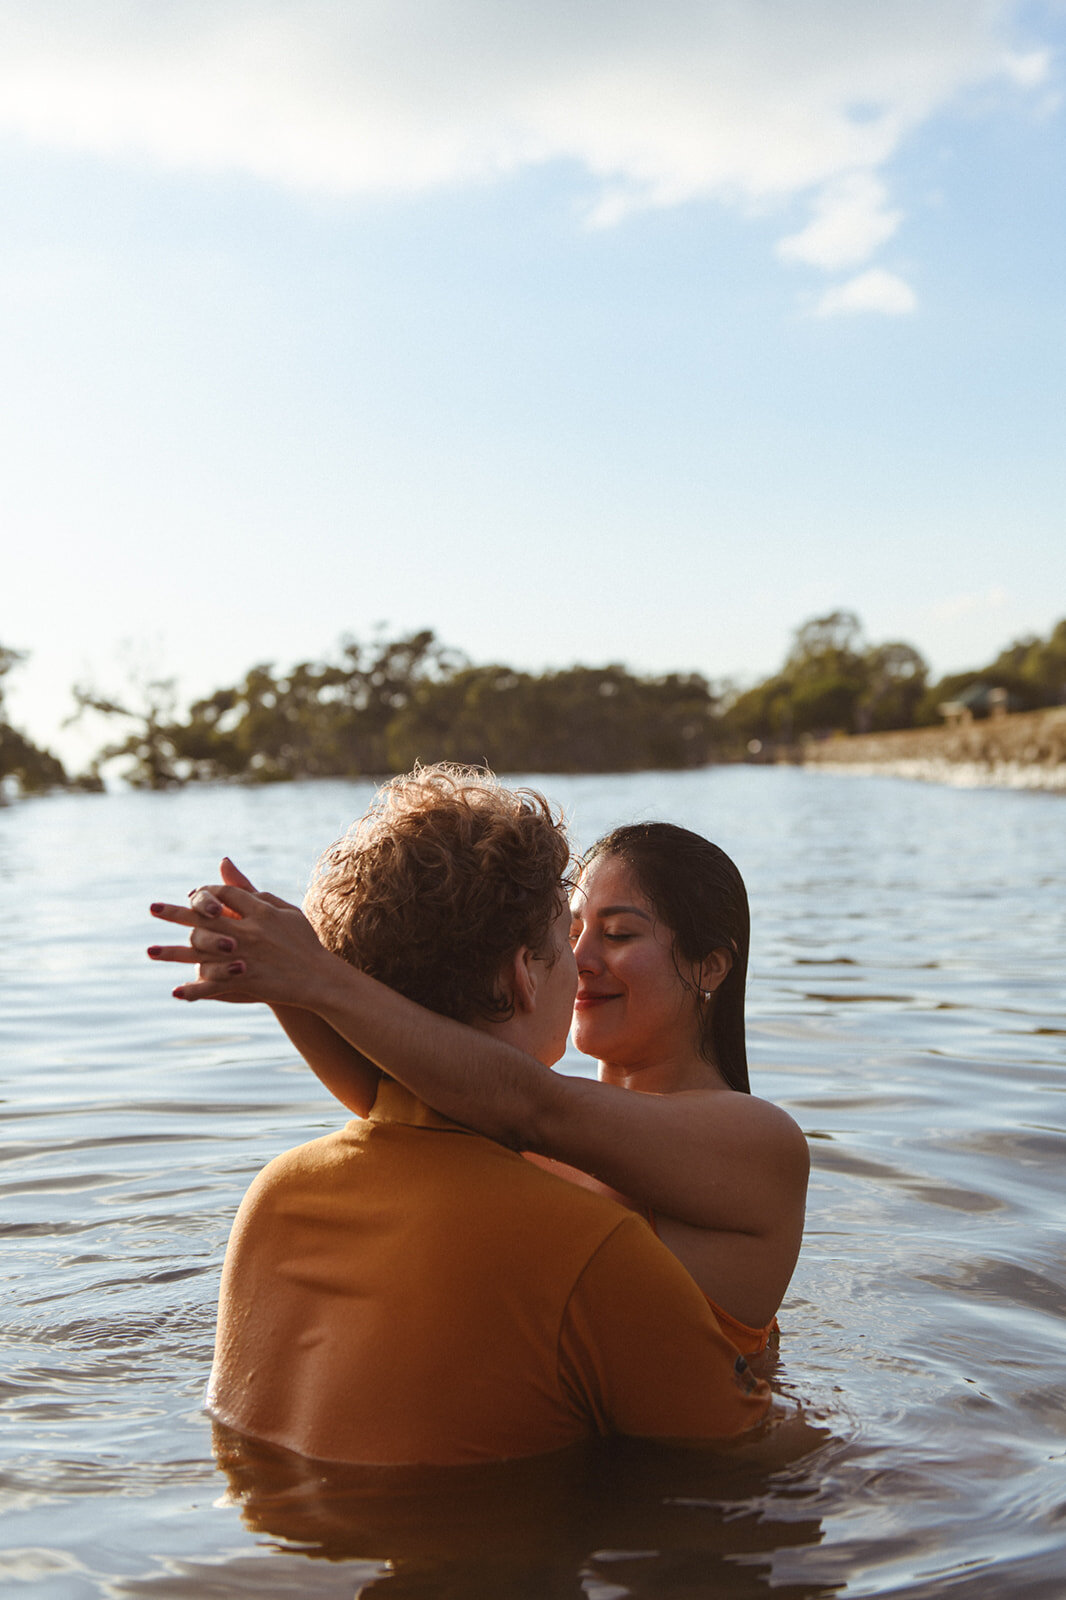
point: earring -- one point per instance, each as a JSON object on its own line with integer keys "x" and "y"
{"x": 706, "y": 993}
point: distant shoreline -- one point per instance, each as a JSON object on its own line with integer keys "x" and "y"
{"x": 1026, "y": 750}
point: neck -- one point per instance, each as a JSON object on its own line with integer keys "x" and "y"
{"x": 665, "y": 1075}
{"x": 521, "y": 1031}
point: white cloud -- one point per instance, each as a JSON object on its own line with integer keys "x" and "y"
{"x": 984, "y": 602}
{"x": 876, "y": 290}
{"x": 850, "y": 222}
{"x": 748, "y": 102}
{"x": 1030, "y": 70}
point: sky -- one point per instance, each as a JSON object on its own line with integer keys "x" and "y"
{"x": 597, "y": 332}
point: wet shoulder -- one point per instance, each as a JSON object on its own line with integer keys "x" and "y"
{"x": 747, "y": 1116}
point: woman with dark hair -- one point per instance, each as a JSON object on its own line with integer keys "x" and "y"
{"x": 659, "y": 934}
{"x": 699, "y": 895}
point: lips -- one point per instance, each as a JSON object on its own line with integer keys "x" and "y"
{"x": 586, "y": 999}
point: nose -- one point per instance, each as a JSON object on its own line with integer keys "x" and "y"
{"x": 585, "y": 952}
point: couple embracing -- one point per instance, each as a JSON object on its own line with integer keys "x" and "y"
{"x": 495, "y": 1260}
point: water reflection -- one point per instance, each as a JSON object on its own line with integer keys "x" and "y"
{"x": 906, "y": 1006}
{"x": 609, "y": 1519}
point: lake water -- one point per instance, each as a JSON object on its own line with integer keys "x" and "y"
{"x": 906, "y": 1006}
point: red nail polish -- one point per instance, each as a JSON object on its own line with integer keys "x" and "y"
{"x": 227, "y": 944}
{"x": 235, "y": 969}
{"x": 154, "y": 950}
{"x": 156, "y": 908}
{"x": 178, "y": 994}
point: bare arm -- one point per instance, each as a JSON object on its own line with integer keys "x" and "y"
{"x": 339, "y": 1065}
{"x": 689, "y": 1155}
{"x": 343, "y": 1022}
{"x": 692, "y": 1156}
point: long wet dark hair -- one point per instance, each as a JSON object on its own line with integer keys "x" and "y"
{"x": 698, "y": 893}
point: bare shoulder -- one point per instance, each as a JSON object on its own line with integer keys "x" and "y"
{"x": 752, "y": 1125}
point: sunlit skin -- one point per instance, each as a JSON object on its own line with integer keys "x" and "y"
{"x": 723, "y": 1173}
{"x": 636, "y": 1007}
{"x": 553, "y": 977}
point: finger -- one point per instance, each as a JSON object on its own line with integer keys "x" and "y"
{"x": 222, "y": 971}
{"x": 206, "y": 900}
{"x": 200, "y": 943}
{"x": 227, "y": 997}
{"x": 277, "y": 901}
{"x": 172, "y": 952}
{"x": 204, "y": 903}
{"x": 203, "y": 989}
{"x": 187, "y": 916}
{"x": 234, "y": 877}
{"x": 167, "y": 913}
{"x": 241, "y": 902}
{"x": 212, "y": 944}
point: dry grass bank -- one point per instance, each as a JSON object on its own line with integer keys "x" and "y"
{"x": 1026, "y": 750}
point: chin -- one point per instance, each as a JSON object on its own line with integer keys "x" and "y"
{"x": 587, "y": 1039}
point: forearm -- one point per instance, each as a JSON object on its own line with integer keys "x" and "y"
{"x": 342, "y": 1069}
{"x": 464, "y": 1074}
{"x": 346, "y": 1023}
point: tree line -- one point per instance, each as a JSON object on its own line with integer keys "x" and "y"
{"x": 834, "y": 681}
{"x": 378, "y": 707}
{"x": 23, "y": 764}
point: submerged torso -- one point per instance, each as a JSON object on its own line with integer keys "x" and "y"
{"x": 404, "y": 1290}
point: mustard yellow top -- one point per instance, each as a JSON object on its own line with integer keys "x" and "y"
{"x": 405, "y": 1291}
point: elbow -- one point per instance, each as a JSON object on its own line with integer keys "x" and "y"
{"x": 549, "y": 1113}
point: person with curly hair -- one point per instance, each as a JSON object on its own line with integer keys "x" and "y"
{"x": 408, "y": 1290}
{"x": 660, "y": 933}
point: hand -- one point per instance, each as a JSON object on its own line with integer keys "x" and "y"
{"x": 266, "y": 950}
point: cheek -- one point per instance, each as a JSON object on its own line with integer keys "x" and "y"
{"x": 654, "y": 988}
{"x": 567, "y": 978}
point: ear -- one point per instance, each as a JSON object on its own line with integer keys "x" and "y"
{"x": 713, "y": 970}
{"x": 518, "y": 980}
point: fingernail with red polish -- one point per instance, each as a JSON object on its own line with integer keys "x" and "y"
{"x": 178, "y": 994}
{"x": 156, "y": 908}
{"x": 154, "y": 950}
{"x": 235, "y": 969}
{"x": 227, "y": 944}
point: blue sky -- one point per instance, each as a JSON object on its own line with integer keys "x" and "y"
{"x": 609, "y": 332}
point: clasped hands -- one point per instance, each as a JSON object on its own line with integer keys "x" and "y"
{"x": 248, "y": 945}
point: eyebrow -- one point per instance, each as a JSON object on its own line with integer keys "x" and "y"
{"x": 614, "y": 911}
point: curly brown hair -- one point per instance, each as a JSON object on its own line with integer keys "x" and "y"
{"x": 444, "y": 878}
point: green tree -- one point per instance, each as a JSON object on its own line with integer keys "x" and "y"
{"x": 1032, "y": 671}
{"x": 831, "y": 679}
{"x": 579, "y": 719}
{"x": 896, "y": 677}
{"x": 151, "y": 745}
{"x": 763, "y": 712}
{"x": 1035, "y": 667}
{"x": 22, "y": 763}
{"x": 827, "y": 673}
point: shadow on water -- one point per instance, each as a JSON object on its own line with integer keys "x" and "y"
{"x": 609, "y": 1519}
